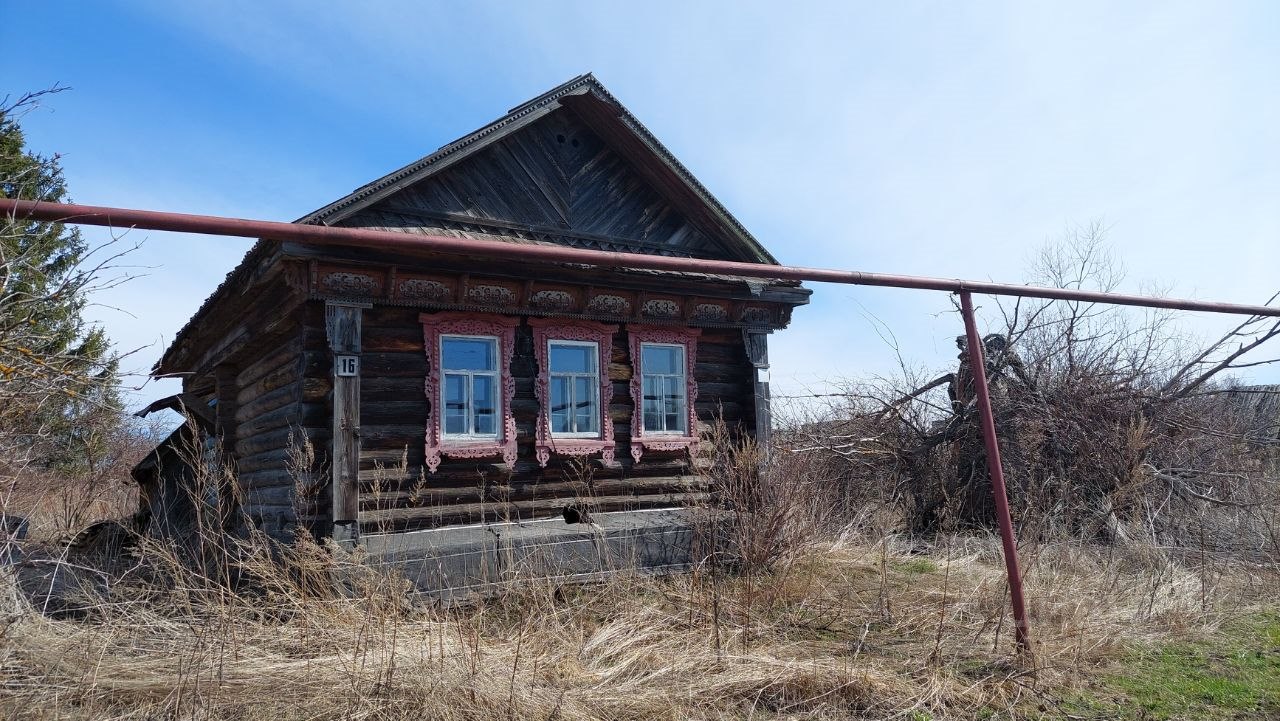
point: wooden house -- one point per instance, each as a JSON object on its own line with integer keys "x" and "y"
{"x": 445, "y": 390}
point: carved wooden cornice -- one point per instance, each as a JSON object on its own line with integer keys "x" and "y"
{"x": 391, "y": 285}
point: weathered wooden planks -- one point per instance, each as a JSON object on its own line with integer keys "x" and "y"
{"x": 394, "y": 406}
{"x": 553, "y": 177}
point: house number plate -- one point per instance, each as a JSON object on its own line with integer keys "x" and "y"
{"x": 346, "y": 365}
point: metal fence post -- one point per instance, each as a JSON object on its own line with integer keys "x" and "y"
{"x": 977, "y": 363}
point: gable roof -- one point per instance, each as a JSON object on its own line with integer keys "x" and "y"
{"x": 601, "y": 111}
{"x": 594, "y": 106}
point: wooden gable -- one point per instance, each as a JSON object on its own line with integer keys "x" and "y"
{"x": 554, "y": 181}
{"x": 571, "y": 167}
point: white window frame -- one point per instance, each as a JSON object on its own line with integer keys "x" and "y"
{"x": 593, "y": 384}
{"x": 495, "y": 377}
{"x": 683, "y": 385}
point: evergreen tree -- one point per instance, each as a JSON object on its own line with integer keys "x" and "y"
{"x": 58, "y": 374}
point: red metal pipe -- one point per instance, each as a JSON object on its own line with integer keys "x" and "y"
{"x": 977, "y": 367}
{"x": 326, "y": 235}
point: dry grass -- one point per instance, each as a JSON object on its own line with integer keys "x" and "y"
{"x": 57, "y": 506}
{"x": 846, "y": 627}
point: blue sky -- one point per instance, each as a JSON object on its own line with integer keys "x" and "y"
{"x": 948, "y": 139}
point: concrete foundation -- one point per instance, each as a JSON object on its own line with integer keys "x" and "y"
{"x": 465, "y": 560}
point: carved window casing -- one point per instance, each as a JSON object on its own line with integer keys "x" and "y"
{"x": 545, "y": 331}
{"x": 665, "y": 441}
{"x": 503, "y": 328}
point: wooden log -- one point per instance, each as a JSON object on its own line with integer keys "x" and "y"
{"x": 317, "y": 364}
{"x": 406, "y": 518}
{"x": 392, "y": 365}
{"x": 463, "y": 472}
{"x": 316, "y": 389}
{"x": 290, "y": 416}
{"x": 397, "y": 339}
{"x": 283, "y": 375}
{"x": 281, "y": 356}
{"x": 383, "y": 437}
{"x": 266, "y": 479}
{"x": 280, "y": 438}
{"x": 393, "y": 412}
{"x": 268, "y": 496}
{"x": 267, "y": 402}
{"x": 563, "y": 490}
{"x": 390, "y": 457}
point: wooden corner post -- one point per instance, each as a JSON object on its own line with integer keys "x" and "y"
{"x": 342, "y": 326}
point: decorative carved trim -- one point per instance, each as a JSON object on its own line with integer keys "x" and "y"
{"x": 423, "y": 289}
{"x": 610, "y": 305}
{"x": 349, "y": 284}
{"x": 547, "y": 329}
{"x": 688, "y": 337}
{"x": 435, "y": 325}
{"x": 491, "y": 295}
{"x": 661, "y": 308}
{"x": 757, "y": 345}
{"x": 551, "y": 300}
{"x": 755, "y": 315}
{"x": 711, "y": 313}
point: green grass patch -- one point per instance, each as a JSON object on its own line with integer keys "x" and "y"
{"x": 915, "y": 566}
{"x": 1234, "y": 675}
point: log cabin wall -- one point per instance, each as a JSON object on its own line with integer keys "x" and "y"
{"x": 398, "y": 493}
{"x": 271, "y": 427}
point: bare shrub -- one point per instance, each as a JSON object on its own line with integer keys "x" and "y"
{"x": 1112, "y": 423}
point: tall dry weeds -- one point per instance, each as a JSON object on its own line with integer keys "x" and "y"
{"x": 321, "y": 635}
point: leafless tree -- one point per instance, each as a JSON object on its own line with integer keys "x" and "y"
{"x": 1107, "y": 416}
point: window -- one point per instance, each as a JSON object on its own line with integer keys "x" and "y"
{"x": 662, "y": 369}
{"x": 663, "y": 389}
{"x": 575, "y": 385}
{"x": 469, "y": 386}
{"x": 469, "y": 366}
{"x": 573, "y": 388}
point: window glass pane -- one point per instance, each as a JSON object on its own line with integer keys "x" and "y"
{"x": 674, "y": 404}
{"x": 584, "y": 410}
{"x": 485, "y": 410}
{"x": 652, "y": 404}
{"x": 455, "y": 404}
{"x": 662, "y": 359}
{"x": 559, "y": 400}
{"x": 573, "y": 358}
{"x": 469, "y": 354}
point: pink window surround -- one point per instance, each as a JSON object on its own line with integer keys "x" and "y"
{"x": 552, "y": 329}
{"x": 640, "y": 442}
{"x": 503, "y": 328}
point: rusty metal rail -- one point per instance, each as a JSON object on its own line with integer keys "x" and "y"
{"x": 324, "y": 235}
